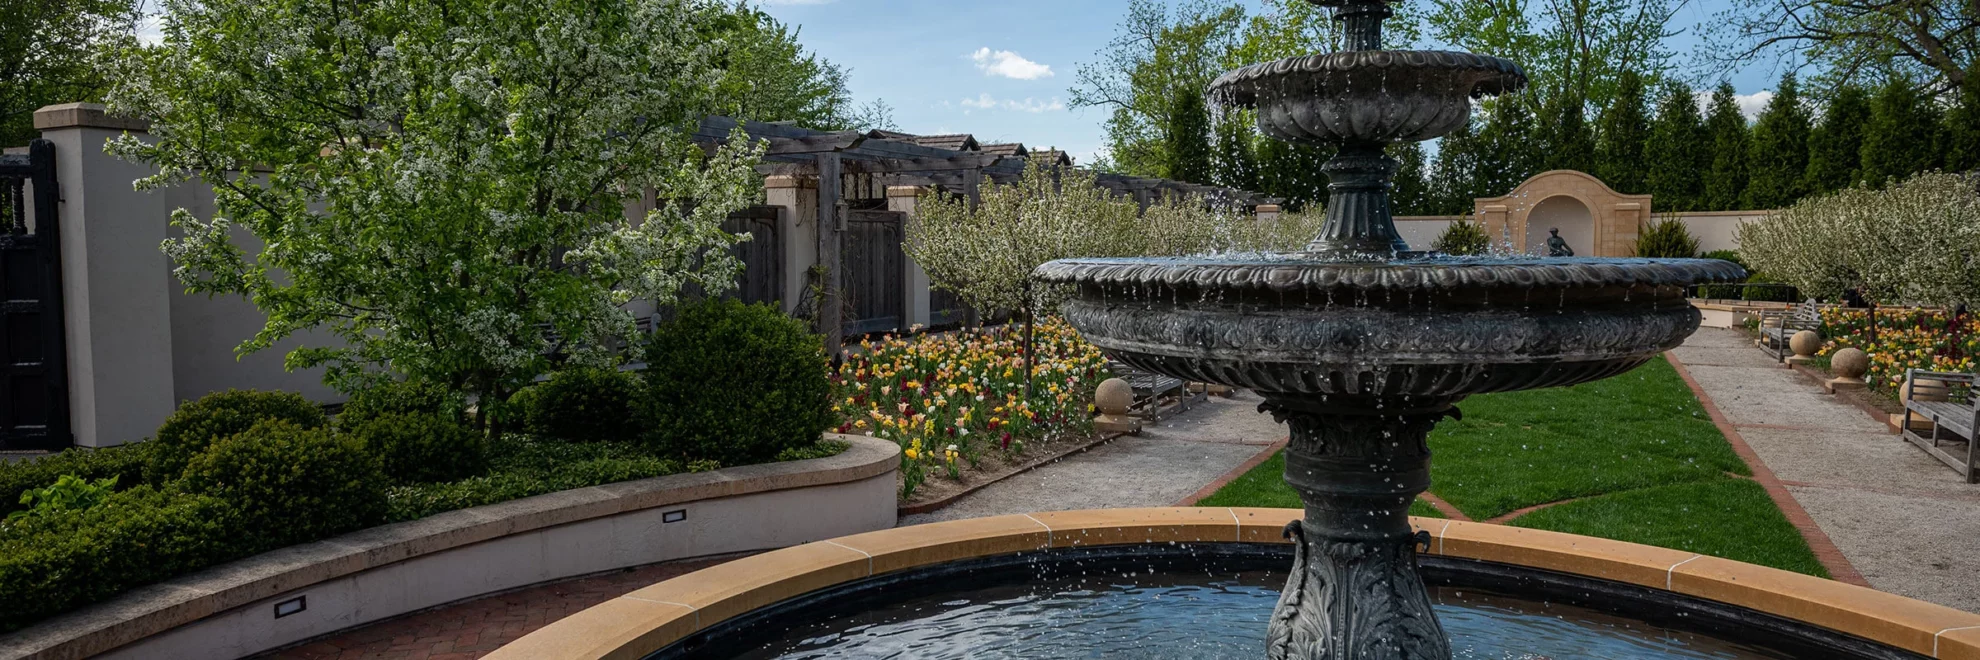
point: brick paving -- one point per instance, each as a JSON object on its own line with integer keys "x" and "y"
{"x": 475, "y": 628}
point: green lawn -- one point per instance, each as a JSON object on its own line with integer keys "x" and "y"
{"x": 1637, "y": 453}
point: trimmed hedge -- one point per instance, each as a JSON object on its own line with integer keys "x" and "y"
{"x": 584, "y": 405}
{"x": 199, "y": 423}
{"x": 423, "y": 447}
{"x": 522, "y": 467}
{"x": 126, "y": 463}
{"x": 734, "y": 383}
{"x": 53, "y": 564}
{"x": 399, "y": 397}
{"x": 291, "y": 484}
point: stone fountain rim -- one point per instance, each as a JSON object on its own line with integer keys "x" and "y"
{"x": 1241, "y": 87}
{"x": 649, "y": 619}
{"x": 1408, "y": 275}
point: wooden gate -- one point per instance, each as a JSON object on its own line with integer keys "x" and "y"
{"x": 34, "y": 377}
{"x": 762, "y": 255}
{"x": 875, "y": 272}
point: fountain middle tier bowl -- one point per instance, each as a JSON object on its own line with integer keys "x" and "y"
{"x": 1369, "y": 96}
{"x": 1427, "y": 327}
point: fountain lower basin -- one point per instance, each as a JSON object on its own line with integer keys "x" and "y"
{"x": 1757, "y": 609}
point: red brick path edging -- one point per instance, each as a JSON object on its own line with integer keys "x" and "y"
{"x": 1239, "y": 471}
{"x": 474, "y": 628}
{"x": 1825, "y": 550}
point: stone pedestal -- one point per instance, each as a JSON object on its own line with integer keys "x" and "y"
{"x": 1354, "y": 591}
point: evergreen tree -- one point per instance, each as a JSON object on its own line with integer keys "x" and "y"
{"x": 1835, "y": 147}
{"x": 1237, "y": 163}
{"x": 1291, "y": 172}
{"x": 1779, "y": 160}
{"x": 1677, "y": 155}
{"x": 1187, "y": 156}
{"x": 1726, "y": 180}
{"x": 1564, "y": 134}
{"x": 1454, "y": 177}
{"x": 1624, "y": 132}
{"x": 1962, "y": 132}
{"x": 1508, "y": 152}
{"x": 1903, "y": 136}
{"x": 1411, "y": 195}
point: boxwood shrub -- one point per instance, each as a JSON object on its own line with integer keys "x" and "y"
{"x": 201, "y": 422}
{"x": 734, "y": 383}
{"x": 291, "y": 484}
{"x": 423, "y": 447}
{"x": 52, "y": 564}
{"x": 584, "y": 405}
{"x": 409, "y": 396}
{"x": 126, "y": 463}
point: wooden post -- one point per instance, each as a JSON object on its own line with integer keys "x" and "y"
{"x": 830, "y": 238}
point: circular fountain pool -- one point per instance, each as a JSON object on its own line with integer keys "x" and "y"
{"x": 1213, "y": 601}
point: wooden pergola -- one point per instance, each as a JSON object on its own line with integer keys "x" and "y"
{"x": 900, "y": 159}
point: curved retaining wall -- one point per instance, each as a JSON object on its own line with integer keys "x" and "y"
{"x": 230, "y": 610}
{"x": 647, "y": 620}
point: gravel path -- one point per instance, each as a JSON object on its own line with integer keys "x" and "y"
{"x": 1166, "y": 463}
{"x": 1905, "y": 521}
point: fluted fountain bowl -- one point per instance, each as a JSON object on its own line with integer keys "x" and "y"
{"x": 1371, "y": 96}
{"x": 1434, "y": 328}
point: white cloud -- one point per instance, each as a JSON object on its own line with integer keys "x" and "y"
{"x": 1007, "y": 64}
{"x": 1750, "y": 105}
{"x": 985, "y": 101}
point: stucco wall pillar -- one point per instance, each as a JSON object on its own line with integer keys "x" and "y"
{"x": 1268, "y": 212}
{"x": 1619, "y": 229}
{"x": 1495, "y": 219}
{"x": 116, "y": 283}
{"x": 798, "y": 225}
{"x": 917, "y": 294}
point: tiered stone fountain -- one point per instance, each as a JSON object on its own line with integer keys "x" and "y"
{"x": 1361, "y": 345}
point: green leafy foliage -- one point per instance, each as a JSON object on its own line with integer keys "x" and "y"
{"x": 52, "y": 564}
{"x": 734, "y": 383}
{"x": 291, "y": 484}
{"x": 1667, "y": 238}
{"x": 1463, "y": 238}
{"x": 1903, "y": 136}
{"x": 822, "y": 449}
{"x": 399, "y": 397}
{"x": 521, "y": 466}
{"x": 1907, "y": 243}
{"x": 1186, "y": 153}
{"x": 202, "y": 422}
{"x": 419, "y": 447}
{"x": 48, "y": 48}
{"x": 1779, "y": 160}
{"x": 124, "y": 463}
{"x": 1679, "y": 151}
{"x": 1567, "y": 142}
{"x": 1963, "y": 125}
{"x": 445, "y": 191}
{"x": 585, "y": 405}
{"x": 68, "y": 493}
{"x": 1835, "y": 148}
{"x": 1728, "y": 135}
{"x": 1625, "y": 133}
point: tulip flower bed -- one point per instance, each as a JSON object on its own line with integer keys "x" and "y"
{"x": 956, "y": 402}
{"x": 1906, "y": 339}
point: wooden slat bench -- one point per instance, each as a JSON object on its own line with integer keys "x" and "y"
{"x": 1151, "y": 389}
{"x": 1953, "y": 422}
{"x": 1777, "y": 327}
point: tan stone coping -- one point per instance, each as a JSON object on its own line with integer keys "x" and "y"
{"x": 84, "y": 115}
{"x": 154, "y": 609}
{"x": 644, "y": 621}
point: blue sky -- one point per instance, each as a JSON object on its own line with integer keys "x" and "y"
{"x": 928, "y": 59}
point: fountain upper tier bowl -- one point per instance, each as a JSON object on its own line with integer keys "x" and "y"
{"x": 1431, "y": 327}
{"x": 1372, "y": 95}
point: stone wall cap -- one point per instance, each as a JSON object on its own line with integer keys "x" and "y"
{"x": 904, "y": 191}
{"x": 156, "y": 608}
{"x": 790, "y": 181}
{"x": 84, "y": 115}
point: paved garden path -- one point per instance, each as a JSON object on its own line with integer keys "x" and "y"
{"x": 1908, "y": 523}
{"x": 1168, "y": 462}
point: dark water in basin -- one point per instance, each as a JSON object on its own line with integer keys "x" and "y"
{"x": 1197, "y": 615}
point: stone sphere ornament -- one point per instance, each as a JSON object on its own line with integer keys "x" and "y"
{"x": 1114, "y": 397}
{"x": 1804, "y": 344}
{"x": 1850, "y": 363}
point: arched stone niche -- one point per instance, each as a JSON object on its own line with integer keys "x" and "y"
{"x": 1596, "y": 220}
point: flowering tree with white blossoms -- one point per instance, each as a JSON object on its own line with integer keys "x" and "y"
{"x": 1914, "y": 242}
{"x": 442, "y": 184}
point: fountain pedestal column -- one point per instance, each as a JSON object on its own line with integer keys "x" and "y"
{"x": 1354, "y": 593}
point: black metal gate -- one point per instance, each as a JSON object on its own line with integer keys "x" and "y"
{"x": 875, "y": 272}
{"x": 34, "y": 377}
